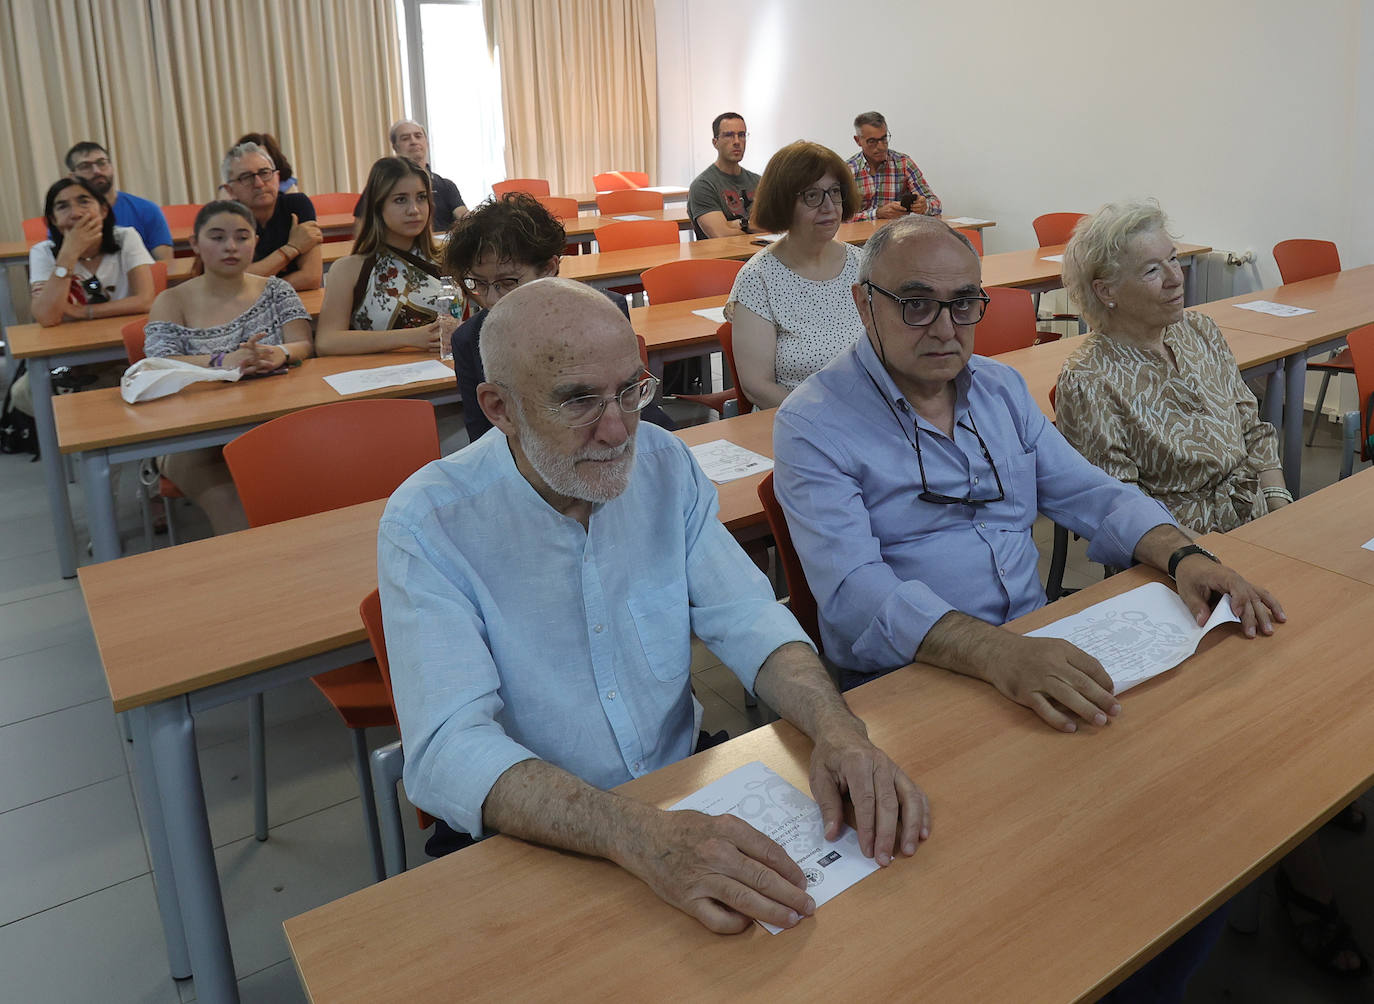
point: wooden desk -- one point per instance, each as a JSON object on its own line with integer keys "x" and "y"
{"x": 1326, "y": 528}
{"x": 103, "y": 430}
{"x": 330, "y": 558}
{"x": 72, "y": 344}
{"x": 179, "y": 269}
{"x": 671, "y": 193}
{"x": 1040, "y": 881}
{"x": 1340, "y": 303}
{"x": 740, "y": 509}
{"x": 1029, "y": 269}
{"x": 584, "y": 224}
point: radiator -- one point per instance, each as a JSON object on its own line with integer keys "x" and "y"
{"x": 1219, "y": 274}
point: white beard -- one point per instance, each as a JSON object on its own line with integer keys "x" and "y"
{"x": 559, "y": 470}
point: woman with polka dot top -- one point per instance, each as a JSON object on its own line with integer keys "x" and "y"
{"x": 792, "y": 305}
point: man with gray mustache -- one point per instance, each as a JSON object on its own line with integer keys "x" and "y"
{"x": 540, "y": 589}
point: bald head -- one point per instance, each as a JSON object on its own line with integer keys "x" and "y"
{"x": 900, "y": 231}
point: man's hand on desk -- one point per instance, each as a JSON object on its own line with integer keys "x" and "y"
{"x": 718, "y": 869}
{"x": 1199, "y": 578}
{"x": 1050, "y": 674}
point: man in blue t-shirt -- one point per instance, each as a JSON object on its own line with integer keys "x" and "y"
{"x": 91, "y": 162}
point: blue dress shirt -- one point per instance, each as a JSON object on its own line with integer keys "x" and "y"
{"x": 513, "y": 633}
{"x": 145, "y": 217}
{"x": 885, "y": 566}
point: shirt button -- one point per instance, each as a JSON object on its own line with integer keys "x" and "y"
{"x": 975, "y": 479}
{"x": 983, "y": 525}
{"x": 638, "y": 766}
{"x": 1001, "y": 571}
{"x": 610, "y": 695}
{"x": 599, "y": 628}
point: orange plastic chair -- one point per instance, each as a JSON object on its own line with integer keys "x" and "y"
{"x": 1303, "y": 258}
{"x": 390, "y": 814}
{"x": 615, "y": 181}
{"x": 324, "y": 458}
{"x": 1055, "y": 228}
{"x": 331, "y": 203}
{"x": 530, "y": 186}
{"x": 559, "y": 208}
{"x": 1008, "y": 324}
{"x": 975, "y": 237}
{"x": 625, "y": 234}
{"x": 799, "y": 597}
{"x": 630, "y": 200}
{"x": 183, "y": 214}
{"x": 690, "y": 279}
{"x": 1360, "y": 344}
{"x": 159, "y": 277}
{"x": 35, "y": 230}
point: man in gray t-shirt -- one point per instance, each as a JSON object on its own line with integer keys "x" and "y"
{"x": 721, "y": 195}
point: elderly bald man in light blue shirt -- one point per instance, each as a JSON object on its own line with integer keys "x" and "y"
{"x": 911, "y": 472}
{"x": 540, "y": 589}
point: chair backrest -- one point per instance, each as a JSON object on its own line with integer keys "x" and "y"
{"x": 635, "y": 234}
{"x": 1055, "y": 228}
{"x": 35, "y": 230}
{"x": 615, "y": 181}
{"x": 331, "y": 203}
{"x": 1361, "y": 342}
{"x": 1008, "y": 324}
{"x": 530, "y": 186}
{"x": 725, "y": 334}
{"x": 799, "y": 597}
{"x": 975, "y": 237}
{"x": 630, "y": 200}
{"x": 559, "y": 208}
{"x": 643, "y": 350}
{"x": 690, "y": 279}
{"x": 371, "y": 612}
{"x": 183, "y": 214}
{"x": 132, "y": 334}
{"x": 330, "y": 456}
{"x": 1302, "y": 258}
{"x": 159, "y": 277}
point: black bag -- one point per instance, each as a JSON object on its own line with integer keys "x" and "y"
{"x": 18, "y": 434}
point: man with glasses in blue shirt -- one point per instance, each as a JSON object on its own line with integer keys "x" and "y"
{"x": 91, "y": 162}
{"x": 911, "y": 473}
{"x": 540, "y": 590}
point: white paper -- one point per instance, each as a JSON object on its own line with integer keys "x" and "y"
{"x": 1368, "y": 545}
{"x": 965, "y": 221}
{"x": 779, "y": 811}
{"x": 1269, "y": 307}
{"x": 722, "y": 461}
{"x": 1139, "y": 634}
{"x": 1054, "y": 257}
{"x": 716, "y": 314}
{"x": 355, "y": 381}
{"x": 632, "y": 216}
{"x": 665, "y": 189}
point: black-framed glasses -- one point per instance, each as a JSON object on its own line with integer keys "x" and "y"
{"x": 102, "y": 164}
{"x": 813, "y": 197}
{"x": 922, "y": 311}
{"x": 882, "y": 140}
{"x": 587, "y": 409}
{"x": 246, "y": 178}
{"x": 936, "y": 498}
{"x": 482, "y": 287}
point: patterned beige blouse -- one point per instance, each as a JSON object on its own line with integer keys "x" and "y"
{"x": 1192, "y": 439}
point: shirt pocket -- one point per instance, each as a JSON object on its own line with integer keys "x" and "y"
{"x": 662, "y": 619}
{"x": 1018, "y": 483}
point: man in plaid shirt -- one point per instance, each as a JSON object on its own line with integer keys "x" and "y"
{"x": 887, "y": 177}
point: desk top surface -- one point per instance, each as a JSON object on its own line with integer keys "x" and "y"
{"x": 1339, "y": 302}
{"x": 1045, "y": 883}
{"x": 1327, "y": 528}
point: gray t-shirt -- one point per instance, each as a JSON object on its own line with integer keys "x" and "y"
{"x": 714, "y": 191}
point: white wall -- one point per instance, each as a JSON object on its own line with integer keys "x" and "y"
{"x": 1249, "y": 122}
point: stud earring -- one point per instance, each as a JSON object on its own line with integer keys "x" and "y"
{"x": 1111, "y": 306}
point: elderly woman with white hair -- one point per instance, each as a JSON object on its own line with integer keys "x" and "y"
{"x": 288, "y": 237}
{"x": 1154, "y": 397}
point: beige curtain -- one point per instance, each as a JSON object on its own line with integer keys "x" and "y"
{"x": 168, "y": 85}
{"x": 579, "y": 88}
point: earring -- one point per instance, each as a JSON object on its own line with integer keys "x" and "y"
{"x": 1111, "y": 306}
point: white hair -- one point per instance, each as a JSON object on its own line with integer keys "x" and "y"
{"x": 1096, "y": 248}
{"x": 226, "y": 167}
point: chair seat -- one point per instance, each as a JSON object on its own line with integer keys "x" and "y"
{"x": 1341, "y": 362}
{"x": 358, "y": 694}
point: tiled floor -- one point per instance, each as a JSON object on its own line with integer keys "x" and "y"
{"x": 78, "y": 921}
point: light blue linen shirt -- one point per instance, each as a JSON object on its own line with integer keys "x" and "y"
{"x": 885, "y": 566}
{"x": 513, "y": 633}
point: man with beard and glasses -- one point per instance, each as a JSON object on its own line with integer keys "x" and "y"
{"x": 540, "y": 591}
{"x": 91, "y": 162}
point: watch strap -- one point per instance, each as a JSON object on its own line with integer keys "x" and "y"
{"x": 1184, "y": 552}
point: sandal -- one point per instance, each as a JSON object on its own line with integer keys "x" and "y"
{"x": 1323, "y": 937}
{"x": 1351, "y": 819}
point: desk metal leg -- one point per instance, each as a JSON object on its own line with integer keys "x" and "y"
{"x": 54, "y": 472}
{"x": 1295, "y": 380}
{"x": 164, "y": 882}
{"x": 100, "y": 506}
{"x": 172, "y": 747}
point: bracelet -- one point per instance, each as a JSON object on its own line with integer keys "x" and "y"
{"x": 1277, "y": 492}
{"x": 217, "y": 360}
{"x": 1185, "y": 551}
{"x": 286, "y": 356}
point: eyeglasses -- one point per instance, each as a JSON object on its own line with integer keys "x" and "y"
{"x": 922, "y": 311}
{"x": 882, "y": 140}
{"x": 733, "y": 135}
{"x": 812, "y": 197}
{"x": 501, "y": 286}
{"x": 92, "y": 165}
{"x": 587, "y": 409}
{"x": 935, "y": 498}
{"x": 247, "y": 178}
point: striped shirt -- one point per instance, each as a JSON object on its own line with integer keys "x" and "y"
{"x": 892, "y": 178}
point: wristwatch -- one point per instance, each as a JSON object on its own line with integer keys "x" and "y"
{"x": 1186, "y": 550}
{"x": 62, "y": 271}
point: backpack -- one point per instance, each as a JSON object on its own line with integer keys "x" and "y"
{"x": 18, "y": 434}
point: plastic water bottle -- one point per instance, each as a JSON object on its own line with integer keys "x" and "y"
{"x": 443, "y": 306}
